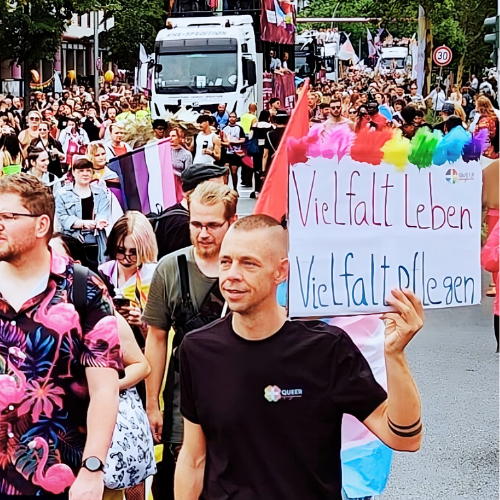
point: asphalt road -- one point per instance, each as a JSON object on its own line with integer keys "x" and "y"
{"x": 456, "y": 370}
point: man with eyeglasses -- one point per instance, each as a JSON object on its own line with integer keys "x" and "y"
{"x": 184, "y": 295}
{"x": 60, "y": 362}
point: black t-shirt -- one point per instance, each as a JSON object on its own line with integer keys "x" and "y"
{"x": 273, "y": 139}
{"x": 172, "y": 232}
{"x": 91, "y": 128}
{"x": 62, "y": 122}
{"x": 88, "y": 208}
{"x": 271, "y": 410}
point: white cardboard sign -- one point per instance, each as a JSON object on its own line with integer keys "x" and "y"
{"x": 357, "y": 231}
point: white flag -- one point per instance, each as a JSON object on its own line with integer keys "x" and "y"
{"x": 347, "y": 52}
{"x": 371, "y": 48}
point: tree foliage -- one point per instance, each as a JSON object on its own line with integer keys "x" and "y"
{"x": 455, "y": 23}
{"x": 136, "y": 21}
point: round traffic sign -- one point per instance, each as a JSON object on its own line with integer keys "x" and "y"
{"x": 442, "y": 56}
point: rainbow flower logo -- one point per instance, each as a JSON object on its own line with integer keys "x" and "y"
{"x": 272, "y": 393}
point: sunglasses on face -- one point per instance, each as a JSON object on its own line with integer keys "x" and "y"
{"x": 336, "y": 107}
{"x": 121, "y": 254}
{"x": 353, "y": 112}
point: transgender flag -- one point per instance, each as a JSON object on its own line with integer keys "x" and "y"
{"x": 146, "y": 178}
{"x": 366, "y": 461}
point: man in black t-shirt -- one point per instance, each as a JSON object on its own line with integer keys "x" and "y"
{"x": 273, "y": 139}
{"x": 263, "y": 397}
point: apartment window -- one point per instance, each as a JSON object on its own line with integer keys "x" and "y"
{"x": 79, "y": 20}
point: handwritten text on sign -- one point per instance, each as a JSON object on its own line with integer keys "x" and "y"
{"x": 357, "y": 231}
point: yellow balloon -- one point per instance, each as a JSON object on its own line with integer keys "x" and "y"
{"x": 396, "y": 150}
{"x": 72, "y": 75}
{"x": 109, "y": 76}
{"x": 35, "y": 75}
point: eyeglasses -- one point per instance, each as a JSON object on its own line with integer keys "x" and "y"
{"x": 121, "y": 254}
{"x": 210, "y": 227}
{"x": 34, "y": 119}
{"x": 12, "y": 216}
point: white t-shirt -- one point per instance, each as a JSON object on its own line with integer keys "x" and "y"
{"x": 204, "y": 141}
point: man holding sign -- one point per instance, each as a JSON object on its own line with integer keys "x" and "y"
{"x": 266, "y": 422}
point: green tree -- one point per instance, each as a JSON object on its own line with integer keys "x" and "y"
{"x": 31, "y": 31}
{"x": 455, "y": 23}
{"x": 136, "y": 21}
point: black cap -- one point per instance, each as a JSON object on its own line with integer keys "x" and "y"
{"x": 449, "y": 107}
{"x": 198, "y": 173}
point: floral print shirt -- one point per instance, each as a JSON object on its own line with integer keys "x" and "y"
{"x": 44, "y": 350}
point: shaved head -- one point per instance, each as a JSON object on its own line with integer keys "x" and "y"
{"x": 270, "y": 232}
{"x": 253, "y": 262}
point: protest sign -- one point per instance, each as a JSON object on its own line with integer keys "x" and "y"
{"x": 359, "y": 230}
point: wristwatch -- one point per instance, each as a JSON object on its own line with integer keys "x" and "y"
{"x": 93, "y": 464}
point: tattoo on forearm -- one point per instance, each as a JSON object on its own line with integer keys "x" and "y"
{"x": 405, "y": 431}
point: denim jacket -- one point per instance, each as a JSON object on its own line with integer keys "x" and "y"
{"x": 69, "y": 210}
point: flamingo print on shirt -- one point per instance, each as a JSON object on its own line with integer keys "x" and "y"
{"x": 44, "y": 350}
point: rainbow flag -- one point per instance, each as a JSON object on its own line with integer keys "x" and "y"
{"x": 146, "y": 178}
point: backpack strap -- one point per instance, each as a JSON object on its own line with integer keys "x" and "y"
{"x": 184, "y": 276}
{"x": 80, "y": 277}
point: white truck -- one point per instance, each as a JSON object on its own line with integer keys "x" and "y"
{"x": 201, "y": 62}
{"x": 397, "y": 58}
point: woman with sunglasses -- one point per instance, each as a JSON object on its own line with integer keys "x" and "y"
{"x": 353, "y": 115}
{"x": 133, "y": 252}
{"x": 53, "y": 147}
{"x": 363, "y": 119}
{"x": 27, "y": 136}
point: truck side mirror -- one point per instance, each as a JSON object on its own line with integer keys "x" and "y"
{"x": 249, "y": 71}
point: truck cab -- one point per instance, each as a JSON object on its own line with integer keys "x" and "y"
{"x": 395, "y": 58}
{"x": 201, "y": 62}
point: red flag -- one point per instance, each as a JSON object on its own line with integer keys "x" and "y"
{"x": 273, "y": 199}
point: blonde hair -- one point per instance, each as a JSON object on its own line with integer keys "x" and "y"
{"x": 92, "y": 150}
{"x": 136, "y": 225}
{"x": 212, "y": 193}
{"x": 459, "y": 111}
{"x": 484, "y": 106}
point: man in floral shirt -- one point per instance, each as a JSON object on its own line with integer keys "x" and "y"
{"x": 58, "y": 372}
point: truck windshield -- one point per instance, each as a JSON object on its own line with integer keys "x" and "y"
{"x": 396, "y": 63}
{"x": 196, "y": 72}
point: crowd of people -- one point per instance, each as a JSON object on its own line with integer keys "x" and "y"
{"x": 80, "y": 348}
{"x": 393, "y": 101}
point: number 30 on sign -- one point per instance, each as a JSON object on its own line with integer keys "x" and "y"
{"x": 442, "y": 56}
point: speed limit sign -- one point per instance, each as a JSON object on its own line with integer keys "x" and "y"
{"x": 442, "y": 56}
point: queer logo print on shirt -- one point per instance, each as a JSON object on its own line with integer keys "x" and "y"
{"x": 273, "y": 393}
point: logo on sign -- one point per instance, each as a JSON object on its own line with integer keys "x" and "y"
{"x": 452, "y": 176}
